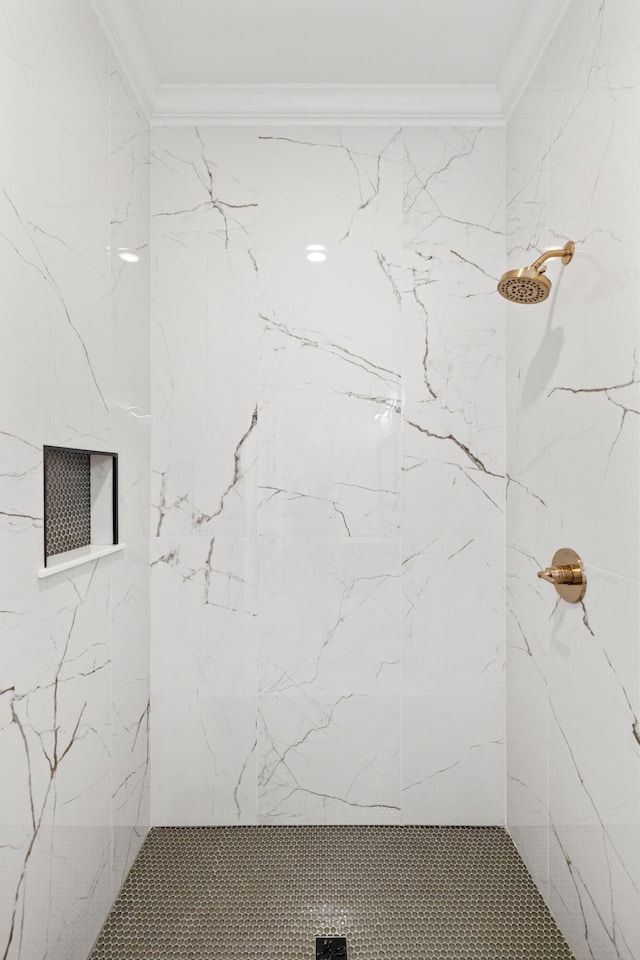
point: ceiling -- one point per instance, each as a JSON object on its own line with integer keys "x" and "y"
{"x": 329, "y": 61}
{"x": 329, "y": 41}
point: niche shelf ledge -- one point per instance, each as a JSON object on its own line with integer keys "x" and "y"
{"x": 75, "y": 558}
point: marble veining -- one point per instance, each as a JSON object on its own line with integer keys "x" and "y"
{"x": 339, "y": 187}
{"x": 573, "y": 693}
{"x": 315, "y": 426}
{"x": 74, "y": 693}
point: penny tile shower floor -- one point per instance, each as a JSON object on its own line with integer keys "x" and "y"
{"x": 266, "y": 893}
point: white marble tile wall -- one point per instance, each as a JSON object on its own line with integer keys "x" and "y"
{"x": 328, "y": 476}
{"x": 74, "y": 370}
{"x": 573, "y": 395}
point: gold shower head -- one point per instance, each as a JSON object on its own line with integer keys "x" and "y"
{"x": 530, "y": 285}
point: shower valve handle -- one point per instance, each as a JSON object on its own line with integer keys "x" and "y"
{"x": 567, "y": 574}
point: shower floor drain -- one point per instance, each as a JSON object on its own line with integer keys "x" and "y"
{"x": 331, "y": 948}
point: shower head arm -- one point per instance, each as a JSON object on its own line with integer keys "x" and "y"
{"x": 566, "y": 254}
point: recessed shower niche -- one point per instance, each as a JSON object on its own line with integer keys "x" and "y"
{"x": 80, "y": 507}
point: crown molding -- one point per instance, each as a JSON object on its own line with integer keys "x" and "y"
{"x": 527, "y": 50}
{"x": 328, "y": 104}
{"x": 130, "y": 50}
{"x": 332, "y": 103}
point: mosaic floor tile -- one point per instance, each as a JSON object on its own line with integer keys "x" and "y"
{"x": 267, "y": 893}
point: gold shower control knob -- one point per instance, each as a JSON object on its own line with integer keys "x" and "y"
{"x": 567, "y": 574}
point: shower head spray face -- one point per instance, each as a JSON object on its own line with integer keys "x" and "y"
{"x": 530, "y": 285}
{"x": 525, "y": 286}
